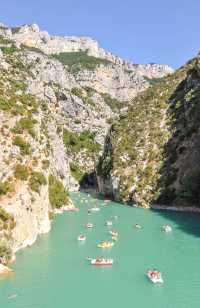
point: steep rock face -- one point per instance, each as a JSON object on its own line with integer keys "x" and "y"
{"x": 180, "y": 173}
{"x": 152, "y": 153}
{"x": 34, "y": 167}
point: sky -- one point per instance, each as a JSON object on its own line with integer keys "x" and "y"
{"x": 143, "y": 31}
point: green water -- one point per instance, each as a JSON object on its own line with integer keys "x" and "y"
{"x": 54, "y": 273}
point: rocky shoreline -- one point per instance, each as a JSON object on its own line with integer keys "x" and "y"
{"x": 175, "y": 208}
{"x": 4, "y": 270}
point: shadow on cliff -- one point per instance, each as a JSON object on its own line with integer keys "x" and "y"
{"x": 186, "y": 222}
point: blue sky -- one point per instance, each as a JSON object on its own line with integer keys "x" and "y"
{"x": 160, "y": 31}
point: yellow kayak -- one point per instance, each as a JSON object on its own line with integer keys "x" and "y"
{"x": 105, "y": 244}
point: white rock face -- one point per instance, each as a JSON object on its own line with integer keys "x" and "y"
{"x": 31, "y": 216}
{"x": 32, "y": 36}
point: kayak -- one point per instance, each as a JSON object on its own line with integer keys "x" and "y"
{"x": 105, "y": 244}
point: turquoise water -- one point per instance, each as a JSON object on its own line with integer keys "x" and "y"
{"x": 54, "y": 272}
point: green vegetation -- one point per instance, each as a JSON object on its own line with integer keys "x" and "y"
{"x": 9, "y": 50}
{"x": 76, "y": 172}
{"x": 36, "y": 180}
{"x": 21, "y": 172}
{"x": 5, "y": 216}
{"x": 25, "y": 124}
{"x": 25, "y": 148}
{"x": 7, "y": 224}
{"x": 77, "y": 92}
{"x": 76, "y": 142}
{"x": 4, "y": 187}
{"x": 4, "y": 40}
{"x": 85, "y": 95}
{"x": 17, "y": 104}
{"x": 113, "y": 103}
{"x": 58, "y": 195}
{"x": 5, "y": 104}
{"x": 5, "y": 252}
{"x": 77, "y": 61}
{"x": 153, "y": 81}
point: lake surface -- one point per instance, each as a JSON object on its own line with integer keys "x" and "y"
{"x": 54, "y": 273}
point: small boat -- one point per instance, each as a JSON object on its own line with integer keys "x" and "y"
{"x": 106, "y": 200}
{"x": 155, "y": 276}
{"x": 105, "y": 244}
{"x": 109, "y": 223}
{"x": 95, "y": 209}
{"x": 12, "y": 296}
{"x": 101, "y": 261}
{"x": 138, "y": 226}
{"x": 89, "y": 225}
{"x": 81, "y": 237}
{"x": 167, "y": 228}
{"x": 113, "y": 233}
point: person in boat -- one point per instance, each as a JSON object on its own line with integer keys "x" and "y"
{"x": 155, "y": 274}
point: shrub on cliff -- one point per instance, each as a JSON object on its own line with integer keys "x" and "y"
{"x": 58, "y": 195}
{"x": 4, "y": 188}
{"x": 77, "y": 61}
{"x": 36, "y": 180}
{"x": 113, "y": 103}
{"x": 5, "y": 252}
{"x": 5, "y": 104}
{"x": 24, "y": 146}
{"x": 76, "y": 172}
{"x": 77, "y": 142}
{"x": 21, "y": 172}
{"x": 25, "y": 124}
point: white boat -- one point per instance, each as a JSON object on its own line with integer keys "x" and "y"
{"x": 109, "y": 223}
{"x": 138, "y": 226}
{"x": 81, "y": 237}
{"x": 167, "y": 228}
{"x": 89, "y": 225}
{"x": 95, "y": 209}
{"x": 155, "y": 276}
{"x": 101, "y": 261}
